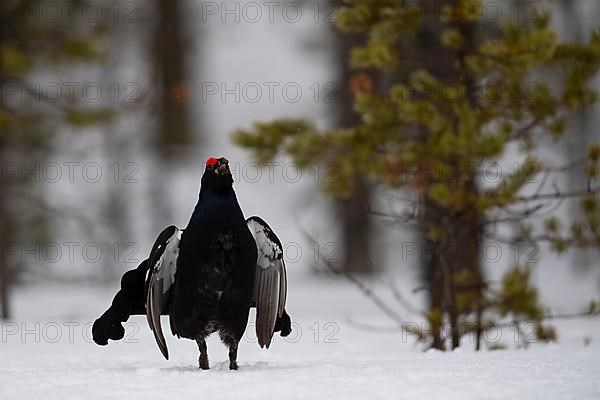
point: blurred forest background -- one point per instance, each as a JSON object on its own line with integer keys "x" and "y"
{"x": 109, "y": 109}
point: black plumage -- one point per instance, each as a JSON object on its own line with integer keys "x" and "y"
{"x": 207, "y": 276}
{"x": 214, "y": 282}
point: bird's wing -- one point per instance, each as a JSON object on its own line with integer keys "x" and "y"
{"x": 270, "y": 285}
{"x": 163, "y": 265}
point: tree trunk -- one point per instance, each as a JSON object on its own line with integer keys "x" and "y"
{"x": 4, "y": 277}
{"x": 4, "y": 269}
{"x": 356, "y": 229}
{"x": 584, "y": 124}
{"x": 355, "y": 224}
{"x": 172, "y": 135}
{"x": 463, "y": 232}
{"x": 173, "y": 131}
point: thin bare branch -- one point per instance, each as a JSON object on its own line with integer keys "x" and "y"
{"x": 405, "y": 303}
{"x": 370, "y": 294}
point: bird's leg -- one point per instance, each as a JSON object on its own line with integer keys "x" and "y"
{"x": 233, "y": 348}
{"x": 203, "y": 360}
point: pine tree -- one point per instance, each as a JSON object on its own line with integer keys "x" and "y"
{"x": 34, "y": 40}
{"x": 430, "y": 132}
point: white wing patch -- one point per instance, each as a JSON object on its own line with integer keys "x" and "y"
{"x": 166, "y": 266}
{"x": 270, "y": 286}
{"x": 161, "y": 279}
{"x": 268, "y": 251}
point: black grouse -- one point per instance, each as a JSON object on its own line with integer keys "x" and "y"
{"x": 207, "y": 276}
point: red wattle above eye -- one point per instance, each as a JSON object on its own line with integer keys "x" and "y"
{"x": 211, "y": 161}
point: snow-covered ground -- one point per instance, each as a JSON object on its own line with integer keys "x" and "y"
{"x": 47, "y": 354}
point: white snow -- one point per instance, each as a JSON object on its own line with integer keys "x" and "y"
{"x": 47, "y": 354}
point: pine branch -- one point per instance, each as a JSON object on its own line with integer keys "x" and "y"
{"x": 560, "y": 195}
{"x": 405, "y": 303}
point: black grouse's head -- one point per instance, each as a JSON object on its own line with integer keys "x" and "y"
{"x": 217, "y": 175}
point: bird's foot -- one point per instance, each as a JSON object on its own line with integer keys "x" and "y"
{"x": 233, "y": 365}
{"x": 203, "y": 361}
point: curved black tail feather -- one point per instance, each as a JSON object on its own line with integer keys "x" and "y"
{"x": 130, "y": 300}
